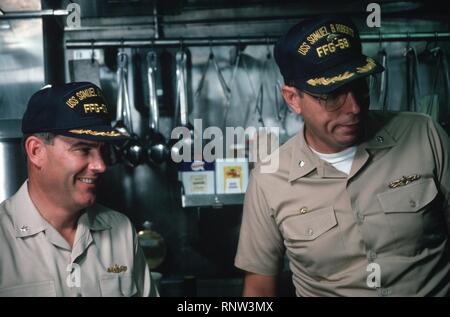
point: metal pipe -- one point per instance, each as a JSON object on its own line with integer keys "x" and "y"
{"x": 420, "y": 36}
{"x": 170, "y": 42}
{"x": 32, "y": 14}
{"x": 257, "y": 40}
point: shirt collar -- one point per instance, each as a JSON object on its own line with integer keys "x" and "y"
{"x": 377, "y": 136}
{"x": 26, "y": 218}
{"x": 304, "y": 161}
{"x": 28, "y": 221}
{"x": 93, "y": 220}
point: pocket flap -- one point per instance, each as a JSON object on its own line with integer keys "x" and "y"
{"x": 410, "y": 198}
{"x": 309, "y": 226}
{"x": 37, "y": 289}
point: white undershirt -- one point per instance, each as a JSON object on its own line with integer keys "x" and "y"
{"x": 342, "y": 161}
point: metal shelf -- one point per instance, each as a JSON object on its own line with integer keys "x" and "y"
{"x": 217, "y": 200}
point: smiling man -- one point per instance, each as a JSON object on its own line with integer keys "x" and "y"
{"x": 360, "y": 204}
{"x": 54, "y": 239}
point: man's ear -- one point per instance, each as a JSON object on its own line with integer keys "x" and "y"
{"x": 35, "y": 149}
{"x": 292, "y": 98}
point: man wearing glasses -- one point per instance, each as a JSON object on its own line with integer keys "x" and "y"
{"x": 360, "y": 202}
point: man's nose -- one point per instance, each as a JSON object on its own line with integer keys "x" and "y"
{"x": 97, "y": 163}
{"x": 352, "y": 105}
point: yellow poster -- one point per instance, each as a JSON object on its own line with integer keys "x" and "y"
{"x": 232, "y": 179}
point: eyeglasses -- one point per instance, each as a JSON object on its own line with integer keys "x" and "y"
{"x": 336, "y": 99}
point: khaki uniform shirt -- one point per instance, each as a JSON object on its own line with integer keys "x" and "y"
{"x": 379, "y": 231}
{"x": 35, "y": 260}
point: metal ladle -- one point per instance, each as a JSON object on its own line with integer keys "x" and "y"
{"x": 182, "y": 104}
{"x": 157, "y": 150}
{"x": 132, "y": 151}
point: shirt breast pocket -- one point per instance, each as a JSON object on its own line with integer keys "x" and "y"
{"x": 115, "y": 285}
{"x": 37, "y": 289}
{"x": 313, "y": 240}
{"x": 414, "y": 214}
{"x": 309, "y": 226}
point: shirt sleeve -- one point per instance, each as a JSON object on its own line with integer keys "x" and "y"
{"x": 260, "y": 249}
{"x": 146, "y": 287}
{"x": 440, "y": 143}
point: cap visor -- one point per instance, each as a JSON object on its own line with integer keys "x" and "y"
{"x": 99, "y": 133}
{"x": 336, "y": 77}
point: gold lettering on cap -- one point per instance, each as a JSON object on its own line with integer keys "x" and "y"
{"x": 86, "y": 93}
{"x": 94, "y": 107}
{"x": 72, "y": 102}
{"x": 317, "y": 35}
{"x": 344, "y": 29}
{"x": 304, "y": 48}
{"x": 329, "y": 48}
{"x": 333, "y": 29}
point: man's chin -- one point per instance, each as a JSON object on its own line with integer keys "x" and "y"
{"x": 348, "y": 141}
{"x": 86, "y": 202}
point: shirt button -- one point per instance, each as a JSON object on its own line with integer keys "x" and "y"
{"x": 412, "y": 203}
{"x": 371, "y": 255}
{"x": 303, "y": 210}
{"x": 379, "y": 139}
{"x": 360, "y": 217}
{"x": 301, "y": 163}
{"x": 310, "y": 232}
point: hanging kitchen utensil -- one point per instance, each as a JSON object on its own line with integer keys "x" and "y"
{"x": 409, "y": 78}
{"x": 413, "y": 90}
{"x": 157, "y": 150}
{"x": 241, "y": 64}
{"x": 430, "y": 103}
{"x": 444, "y": 113}
{"x": 119, "y": 123}
{"x": 182, "y": 104}
{"x": 259, "y": 105}
{"x": 382, "y": 98}
{"x": 225, "y": 89}
{"x": 270, "y": 73}
{"x": 212, "y": 60}
{"x": 132, "y": 152}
